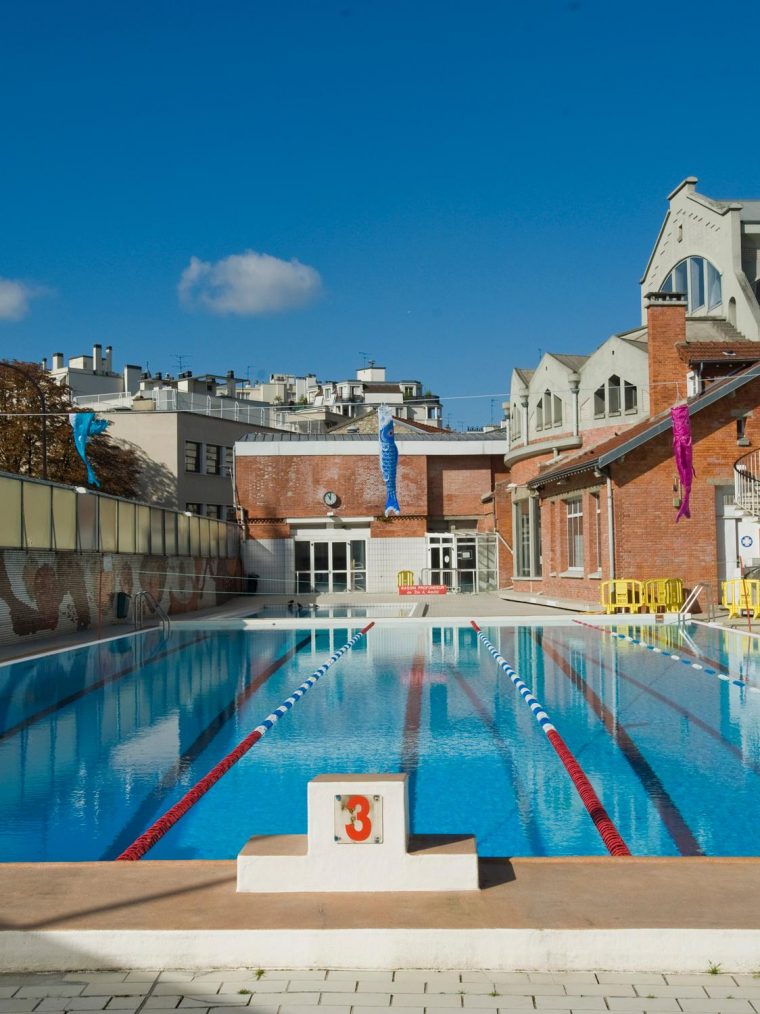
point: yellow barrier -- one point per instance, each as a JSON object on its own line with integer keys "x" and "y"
{"x": 664, "y": 594}
{"x": 404, "y": 578}
{"x": 622, "y": 594}
{"x": 741, "y": 595}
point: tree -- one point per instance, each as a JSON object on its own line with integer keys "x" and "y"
{"x": 21, "y": 434}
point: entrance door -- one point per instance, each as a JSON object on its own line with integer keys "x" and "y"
{"x": 330, "y": 565}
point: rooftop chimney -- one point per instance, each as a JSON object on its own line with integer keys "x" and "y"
{"x": 230, "y": 383}
{"x": 107, "y": 360}
{"x": 97, "y": 358}
{"x": 666, "y": 329}
{"x": 58, "y": 360}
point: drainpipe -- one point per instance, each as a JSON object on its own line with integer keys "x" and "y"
{"x": 575, "y": 384}
{"x": 610, "y": 530}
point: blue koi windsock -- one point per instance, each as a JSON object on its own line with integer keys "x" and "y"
{"x": 85, "y": 425}
{"x": 388, "y": 457}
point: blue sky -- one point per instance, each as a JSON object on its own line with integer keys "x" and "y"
{"x": 460, "y": 184}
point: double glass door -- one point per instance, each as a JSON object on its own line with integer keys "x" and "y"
{"x": 464, "y": 563}
{"x": 330, "y": 566}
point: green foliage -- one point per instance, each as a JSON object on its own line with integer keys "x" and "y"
{"x": 21, "y": 435}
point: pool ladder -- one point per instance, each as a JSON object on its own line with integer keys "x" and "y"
{"x": 697, "y": 591}
{"x": 139, "y": 612}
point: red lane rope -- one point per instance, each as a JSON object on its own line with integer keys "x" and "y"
{"x": 158, "y": 829}
{"x": 607, "y": 831}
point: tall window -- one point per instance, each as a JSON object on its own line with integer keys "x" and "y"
{"x": 599, "y": 402}
{"x": 613, "y": 395}
{"x": 631, "y": 395}
{"x": 557, "y": 402}
{"x": 596, "y": 521}
{"x": 540, "y": 414}
{"x": 213, "y": 459}
{"x": 192, "y": 456}
{"x": 523, "y": 538}
{"x": 698, "y": 280}
{"x": 574, "y": 509}
{"x": 227, "y": 461}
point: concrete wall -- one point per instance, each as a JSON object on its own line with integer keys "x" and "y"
{"x": 695, "y": 226}
{"x": 159, "y": 439}
{"x": 44, "y": 592}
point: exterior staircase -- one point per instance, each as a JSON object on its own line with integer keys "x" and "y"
{"x": 747, "y": 483}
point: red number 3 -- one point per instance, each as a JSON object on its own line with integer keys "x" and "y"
{"x": 360, "y": 827}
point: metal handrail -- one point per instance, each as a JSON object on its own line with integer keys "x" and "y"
{"x": 747, "y": 482}
{"x": 697, "y": 591}
{"x": 158, "y": 609}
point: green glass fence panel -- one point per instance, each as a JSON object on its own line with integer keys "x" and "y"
{"x": 108, "y": 531}
{"x": 156, "y": 531}
{"x": 126, "y": 527}
{"x": 37, "y": 515}
{"x": 205, "y": 525}
{"x": 170, "y": 533}
{"x": 10, "y": 513}
{"x": 87, "y": 522}
{"x": 195, "y": 535}
{"x": 64, "y": 518}
{"x": 143, "y": 529}
{"x": 183, "y": 535}
{"x": 213, "y": 538}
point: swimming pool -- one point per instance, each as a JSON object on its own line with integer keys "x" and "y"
{"x": 96, "y": 743}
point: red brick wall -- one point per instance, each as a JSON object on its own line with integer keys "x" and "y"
{"x": 271, "y": 488}
{"x": 666, "y": 327}
{"x": 456, "y": 484}
{"x": 293, "y": 486}
{"x": 650, "y": 542}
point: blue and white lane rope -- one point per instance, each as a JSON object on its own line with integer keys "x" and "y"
{"x": 158, "y": 828}
{"x": 666, "y": 653}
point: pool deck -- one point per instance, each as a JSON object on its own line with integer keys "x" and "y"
{"x": 661, "y": 914}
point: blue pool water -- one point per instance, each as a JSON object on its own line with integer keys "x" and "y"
{"x": 96, "y": 743}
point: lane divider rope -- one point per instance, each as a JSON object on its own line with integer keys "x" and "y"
{"x": 158, "y": 829}
{"x": 607, "y": 831}
{"x": 666, "y": 653}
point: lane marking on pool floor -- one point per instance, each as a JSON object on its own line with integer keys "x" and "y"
{"x": 158, "y": 829}
{"x": 607, "y": 831}
{"x": 523, "y": 803}
{"x": 682, "y": 835}
{"x": 412, "y": 718}
{"x": 147, "y": 807}
{"x": 666, "y": 653}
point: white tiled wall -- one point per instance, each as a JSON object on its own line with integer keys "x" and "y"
{"x": 386, "y": 557}
{"x": 274, "y": 561}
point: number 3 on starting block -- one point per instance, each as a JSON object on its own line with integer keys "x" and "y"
{"x": 358, "y": 819}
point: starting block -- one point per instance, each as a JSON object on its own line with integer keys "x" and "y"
{"x": 358, "y": 840}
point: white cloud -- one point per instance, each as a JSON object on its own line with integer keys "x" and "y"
{"x": 15, "y": 296}
{"x": 248, "y": 284}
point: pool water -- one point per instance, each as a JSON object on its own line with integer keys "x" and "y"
{"x": 98, "y": 742}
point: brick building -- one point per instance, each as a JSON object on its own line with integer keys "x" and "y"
{"x": 609, "y": 510}
{"x": 313, "y": 508}
{"x": 592, "y": 479}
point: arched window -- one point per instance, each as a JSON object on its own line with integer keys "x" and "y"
{"x": 608, "y": 401}
{"x": 699, "y": 280}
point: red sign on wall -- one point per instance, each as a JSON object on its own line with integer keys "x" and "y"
{"x": 422, "y": 589}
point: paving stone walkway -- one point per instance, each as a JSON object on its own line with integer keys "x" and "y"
{"x": 403, "y": 992}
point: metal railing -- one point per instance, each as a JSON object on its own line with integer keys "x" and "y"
{"x": 747, "y": 483}
{"x": 138, "y": 612}
{"x": 699, "y": 591}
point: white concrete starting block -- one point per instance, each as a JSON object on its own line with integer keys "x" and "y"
{"x": 358, "y": 840}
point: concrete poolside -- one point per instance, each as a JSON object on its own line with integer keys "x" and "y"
{"x": 662, "y": 914}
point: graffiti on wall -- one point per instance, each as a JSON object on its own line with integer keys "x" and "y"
{"x": 46, "y": 592}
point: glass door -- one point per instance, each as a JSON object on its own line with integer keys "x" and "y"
{"x": 330, "y": 565}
